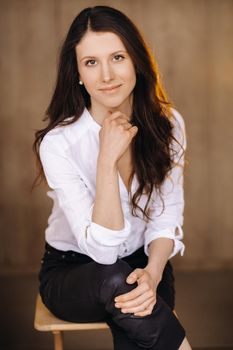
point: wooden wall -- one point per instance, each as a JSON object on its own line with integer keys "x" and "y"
{"x": 192, "y": 41}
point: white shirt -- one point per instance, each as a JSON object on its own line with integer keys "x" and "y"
{"x": 69, "y": 158}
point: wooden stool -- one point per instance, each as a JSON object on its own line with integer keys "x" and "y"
{"x": 45, "y": 321}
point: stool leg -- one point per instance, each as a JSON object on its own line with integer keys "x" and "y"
{"x": 58, "y": 340}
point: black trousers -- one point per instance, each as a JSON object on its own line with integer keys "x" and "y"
{"x": 75, "y": 288}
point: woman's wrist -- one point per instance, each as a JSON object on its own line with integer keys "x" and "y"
{"x": 159, "y": 252}
{"x": 106, "y": 162}
{"x": 155, "y": 272}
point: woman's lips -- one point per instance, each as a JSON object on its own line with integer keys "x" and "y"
{"x": 110, "y": 88}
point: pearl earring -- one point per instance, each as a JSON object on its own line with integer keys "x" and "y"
{"x": 80, "y": 82}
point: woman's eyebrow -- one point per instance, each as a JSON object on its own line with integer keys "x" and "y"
{"x": 111, "y": 54}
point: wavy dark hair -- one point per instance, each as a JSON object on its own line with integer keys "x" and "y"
{"x": 151, "y": 110}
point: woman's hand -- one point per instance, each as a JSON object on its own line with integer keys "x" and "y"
{"x": 142, "y": 299}
{"x": 115, "y": 136}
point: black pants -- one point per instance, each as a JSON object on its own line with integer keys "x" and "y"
{"x": 77, "y": 289}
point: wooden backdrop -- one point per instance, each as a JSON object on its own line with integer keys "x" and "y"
{"x": 192, "y": 41}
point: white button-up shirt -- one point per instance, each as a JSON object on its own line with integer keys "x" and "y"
{"x": 69, "y": 158}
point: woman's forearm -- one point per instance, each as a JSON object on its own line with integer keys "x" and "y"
{"x": 107, "y": 209}
{"x": 159, "y": 252}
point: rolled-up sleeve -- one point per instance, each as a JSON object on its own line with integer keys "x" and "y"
{"x": 167, "y": 209}
{"x": 76, "y": 201}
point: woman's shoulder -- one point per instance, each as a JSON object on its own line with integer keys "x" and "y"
{"x": 52, "y": 143}
{"x": 177, "y": 119}
{"x": 62, "y": 137}
{"x": 179, "y": 130}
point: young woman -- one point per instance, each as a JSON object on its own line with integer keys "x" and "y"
{"x": 113, "y": 156}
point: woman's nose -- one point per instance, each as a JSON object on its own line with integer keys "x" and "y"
{"x": 107, "y": 72}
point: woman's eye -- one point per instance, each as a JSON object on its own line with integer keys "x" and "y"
{"x": 118, "y": 57}
{"x": 90, "y": 63}
{"x": 93, "y": 62}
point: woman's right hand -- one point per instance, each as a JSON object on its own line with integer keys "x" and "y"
{"x": 115, "y": 136}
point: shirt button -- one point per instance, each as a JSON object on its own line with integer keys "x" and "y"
{"x": 63, "y": 256}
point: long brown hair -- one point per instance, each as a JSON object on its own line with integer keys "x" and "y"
{"x": 151, "y": 112}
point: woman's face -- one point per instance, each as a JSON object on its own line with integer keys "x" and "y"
{"x": 105, "y": 69}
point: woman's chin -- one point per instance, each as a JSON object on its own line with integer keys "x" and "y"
{"x": 116, "y": 105}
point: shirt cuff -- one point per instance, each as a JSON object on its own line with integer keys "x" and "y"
{"x": 100, "y": 235}
{"x": 175, "y": 233}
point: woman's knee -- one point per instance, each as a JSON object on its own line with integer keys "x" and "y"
{"x": 114, "y": 278}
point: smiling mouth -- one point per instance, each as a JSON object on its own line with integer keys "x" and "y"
{"x": 110, "y": 88}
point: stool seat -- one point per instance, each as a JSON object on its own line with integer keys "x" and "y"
{"x": 45, "y": 321}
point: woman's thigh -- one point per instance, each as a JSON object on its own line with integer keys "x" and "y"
{"x": 70, "y": 283}
{"x": 84, "y": 292}
{"x": 77, "y": 289}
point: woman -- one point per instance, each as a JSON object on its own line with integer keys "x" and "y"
{"x": 112, "y": 154}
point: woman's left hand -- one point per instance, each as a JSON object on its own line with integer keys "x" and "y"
{"x": 140, "y": 300}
